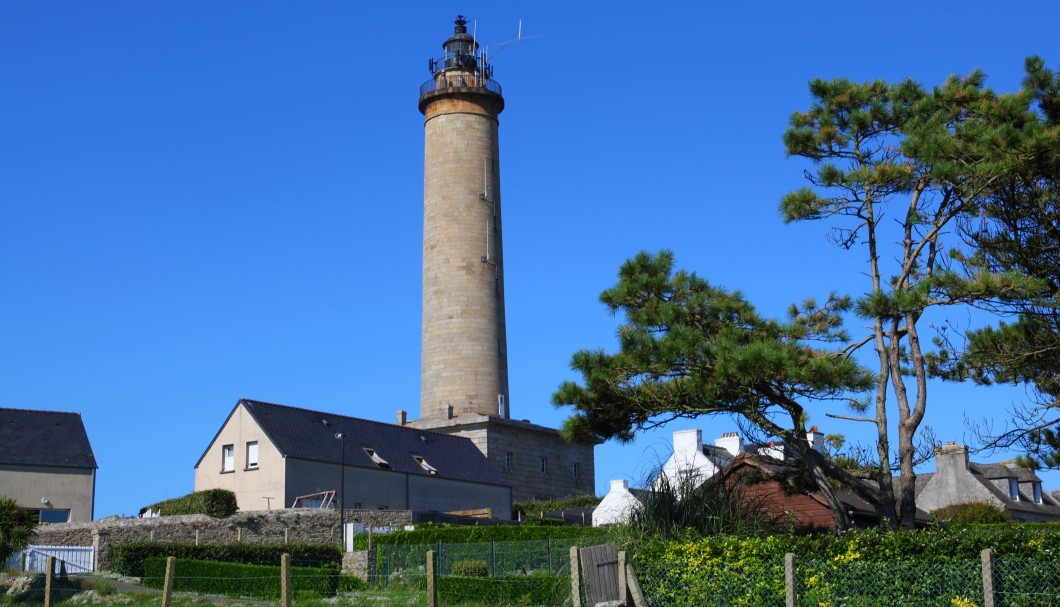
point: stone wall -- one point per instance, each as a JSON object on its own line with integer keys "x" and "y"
{"x": 262, "y": 527}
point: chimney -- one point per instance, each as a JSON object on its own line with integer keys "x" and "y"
{"x": 687, "y": 443}
{"x": 619, "y": 485}
{"x": 816, "y": 439}
{"x": 951, "y": 457}
{"x": 731, "y": 442}
{"x": 402, "y": 417}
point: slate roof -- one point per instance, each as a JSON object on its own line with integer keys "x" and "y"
{"x": 984, "y": 473}
{"x": 44, "y": 438}
{"x": 310, "y": 435}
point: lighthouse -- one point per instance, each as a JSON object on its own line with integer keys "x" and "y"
{"x": 464, "y": 358}
{"x": 464, "y": 373}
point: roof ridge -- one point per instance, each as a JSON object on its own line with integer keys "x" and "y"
{"x": 360, "y": 419}
{"x": 21, "y": 410}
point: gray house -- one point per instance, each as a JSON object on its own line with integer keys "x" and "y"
{"x": 956, "y": 480}
{"x": 269, "y": 455}
{"x": 46, "y": 464}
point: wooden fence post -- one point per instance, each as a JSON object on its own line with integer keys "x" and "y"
{"x": 789, "y": 580}
{"x": 48, "y": 581}
{"x": 575, "y": 578}
{"x": 167, "y": 585}
{"x": 286, "y": 593}
{"x": 988, "y": 577}
{"x": 432, "y": 578}
{"x": 623, "y": 590}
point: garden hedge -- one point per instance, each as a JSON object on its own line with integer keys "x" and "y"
{"x": 128, "y": 559}
{"x": 240, "y": 579}
{"x": 459, "y": 534}
{"x": 218, "y": 503}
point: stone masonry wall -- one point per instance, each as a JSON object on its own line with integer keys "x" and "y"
{"x": 273, "y": 527}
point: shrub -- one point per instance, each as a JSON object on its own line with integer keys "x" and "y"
{"x": 459, "y": 534}
{"x": 471, "y": 569}
{"x": 128, "y": 559}
{"x": 975, "y": 513}
{"x": 239, "y": 579}
{"x": 16, "y": 528}
{"x": 218, "y": 503}
{"x": 508, "y": 590}
{"x": 708, "y": 506}
{"x": 539, "y": 507}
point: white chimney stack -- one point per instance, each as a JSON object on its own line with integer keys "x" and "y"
{"x": 731, "y": 442}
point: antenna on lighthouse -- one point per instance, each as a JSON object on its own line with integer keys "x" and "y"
{"x": 518, "y": 38}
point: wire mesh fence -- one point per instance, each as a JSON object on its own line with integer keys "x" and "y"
{"x": 530, "y": 573}
{"x": 499, "y": 559}
{"x": 1012, "y": 583}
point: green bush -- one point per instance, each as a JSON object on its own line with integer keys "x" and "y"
{"x": 508, "y": 590}
{"x": 537, "y": 507}
{"x": 351, "y": 583}
{"x": 976, "y": 513}
{"x": 239, "y": 579}
{"x": 458, "y": 534}
{"x": 218, "y": 503}
{"x": 128, "y": 559}
{"x": 471, "y": 569}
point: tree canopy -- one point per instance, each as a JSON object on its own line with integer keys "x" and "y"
{"x": 900, "y": 174}
{"x": 688, "y": 349}
{"x": 1018, "y": 231}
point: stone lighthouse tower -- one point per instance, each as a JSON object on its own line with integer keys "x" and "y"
{"x": 464, "y": 374}
{"x": 464, "y": 352}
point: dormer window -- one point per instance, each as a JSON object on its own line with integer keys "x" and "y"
{"x": 429, "y": 469}
{"x": 1014, "y": 489}
{"x": 379, "y": 461}
{"x": 1037, "y": 492}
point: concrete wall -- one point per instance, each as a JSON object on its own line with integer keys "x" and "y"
{"x": 70, "y": 489}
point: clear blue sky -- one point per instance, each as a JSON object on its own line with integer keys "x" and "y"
{"x": 204, "y": 201}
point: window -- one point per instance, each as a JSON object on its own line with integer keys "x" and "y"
{"x": 544, "y": 465}
{"x": 252, "y": 454}
{"x": 1014, "y": 489}
{"x": 1037, "y": 492}
{"x": 429, "y": 469}
{"x": 54, "y": 516}
{"x": 574, "y": 471}
{"x": 379, "y": 461}
{"x": 228, "y": 458}
{"x": 508, "y": 460}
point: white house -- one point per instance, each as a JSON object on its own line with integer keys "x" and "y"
{"x": 616, "y": 506}
{"x": 694, "y": 462}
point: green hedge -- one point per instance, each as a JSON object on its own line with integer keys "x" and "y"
{"x": 128, "y": 559}
{"x": 912, "y": 568}
{"x": 508, "y": 590}
{"x": 218, "y": 503}
{"x": 458, "y": 534}
{"x": 240, "y": 580}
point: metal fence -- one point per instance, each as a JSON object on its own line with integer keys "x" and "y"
{"x": 34, "y": 558}
{"x": 533, "y": 557}
{"x": 809, "y": 583}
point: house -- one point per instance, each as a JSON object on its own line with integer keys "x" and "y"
{"x": 768, "y": 483}
{"x": 766, "y": 468}
{"x": 46, "y": 464}
{"x": 269, "y": 455}
{"x": 956, "y": 480}
{"x": 616, "y": 506}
